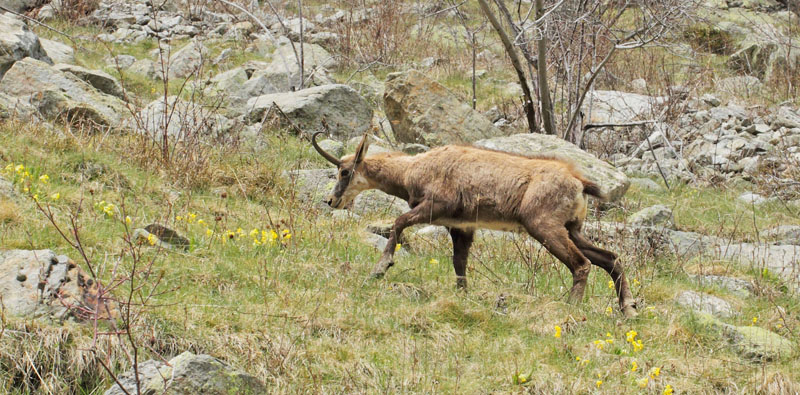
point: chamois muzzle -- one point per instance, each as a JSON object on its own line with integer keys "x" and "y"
{"x": 327, "y": 156}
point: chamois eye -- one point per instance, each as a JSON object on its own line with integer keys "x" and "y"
{"x": 345, "y": 173}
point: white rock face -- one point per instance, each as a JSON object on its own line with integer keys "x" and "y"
{"x": 18, "y": 42}
{"x": 704, "y": 303}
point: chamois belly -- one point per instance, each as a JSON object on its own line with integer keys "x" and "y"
{"x": 471, "y": 225}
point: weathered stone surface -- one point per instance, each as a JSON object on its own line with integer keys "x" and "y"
{"x": 332, "y": 147}
{"x": 58, "y": 52}
{"x": 646, "y": 184}
{"x": 618, "y": 107}
{"x": 42, "y": 284}
{"x": 55, "y": 93}
{"x": 613, "y": 182}
{"x": 704, "y": 303}
{"x": 783, "y": 234}
{"x": 346, "y": 112}
{"x": 187, "y": 60}
{"x": 15, "y": 107}
{"x": 100, "y": 80}
{"x": 751, "y": 342}
{"x": 658, "y": 215}
{"x": 379, "y": 243}
{"x": 18, "y": 42}
{"x": 180, "y": 119}
{"x": 423, "y": 111}
{"x": 786, "y": 117}
{"x": 19, "y": 5}
{"x": 282, "y": 74}
{"x": 188, "y": 374}
{"x": 147, "y": 68}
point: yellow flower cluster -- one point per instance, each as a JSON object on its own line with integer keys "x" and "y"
{"x": 558, "y": 332}
{"x": 26, "y": 182}
{"x": 630, "y": 337}
{"x": 257, "y": 237}
{"x": 106, "y": 208}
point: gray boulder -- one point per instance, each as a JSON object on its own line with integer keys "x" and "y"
{"x": 751, "y": 342}
{"x": 282, "y": 74}
{"x": 188, "y": 373}
{"x": 20, "y": 5}
{"x": 187, "y": 60}
{"x": 786, "y": 117}
{"x": 704, "y": 303}
{"x": 612, "y": 181}
{"x": 658, "y": 215}
{"x": 146, "y": 68}
{"x": 421, "y": 110}
{"x": 58, "y": 52}
{"x": 55, "y": 93}
{"x": 738, "y": 286}
{"x": 646, "y": 184}
{"x": 783, "y": 234}
{"x": 18, "y": 42}
{"x": 14, "y": 107}
{"x": 618, "y": 107}
{"x": 346, "y": 112}
{"x": 180, "y": 119}
{"x": 100, "y": 80}
{"x": 42, "y": 284}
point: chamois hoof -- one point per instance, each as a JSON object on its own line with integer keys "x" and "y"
{"x": 461, "y": 282}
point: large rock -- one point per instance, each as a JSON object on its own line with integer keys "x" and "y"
{"x": 58, "y": 52}
{"x": 187, "y": 60}
{"x": 704, "y": 303}
{"x": 751, "y": 342}
{"x": 423, "y": 111}
{"x": 347, "y": 114}
{"x": 100, "y": 80}
{"x": 55, "y": 93}
{"x": 14, "y": 107}
{"x": 42, "y": 284}
{"x": 282, "y": 74}
{"x": 180, "y": 119}
{"x": 20, "y": 5}
{"x": 17, "y": 42}
{"x": 188, "y": 374}
{"x": 613, "y": 182}
{"x": 619, "y": 107}
{"x": 658, "y": 215}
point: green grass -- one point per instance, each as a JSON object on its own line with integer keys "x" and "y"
{"x": 304, "y": 318}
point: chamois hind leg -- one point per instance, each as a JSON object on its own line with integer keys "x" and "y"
{"x": 608, "y": 261}
{"x": 555, "y": 239}
{"x": 425, "y": 212}
{"x": 462, "y": 240}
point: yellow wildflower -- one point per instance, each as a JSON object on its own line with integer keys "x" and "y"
{"x": 287, "y": 235}
{"x": 44, "y": 178}
{"x": 599, "y": 344}
{"x": 434, "y": 261}
{"x": 254, "y": 233}
{"x": 128, "y": 220}
{"x": 35, "y": 197}
{"x": 636, "y": 282}
{"x": 668, "y": 390}
{"x": 19, "y": 169}
{"x": 610, "y": 284}
{"x": 655, "y": 372}
{"x": 634, "y": 366}
{"x": 598, "y": 383}
{"x": 209, "y": 232}
{"x": 642, "y": 383}
{"x": 523, "y": 378}
{"x": 178, "y": 218}
{"x": 201, "y": 222}
{"x": 609, "y": 310}
{"x": 630, "y": 336}
{"x": 558, "y": 332}
{"x": 151, "y": 239}
{"x": 191, "y": 217}
{"x": 398, "y": 247}
{"x": 256, "y": 243}
{"x": 55, "y": 196}
{"x": 755, "y": 320}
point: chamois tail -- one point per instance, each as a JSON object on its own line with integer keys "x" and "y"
{"x": 593, "y": 189}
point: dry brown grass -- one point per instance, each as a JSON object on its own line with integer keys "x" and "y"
{"x": 9, "y": 212}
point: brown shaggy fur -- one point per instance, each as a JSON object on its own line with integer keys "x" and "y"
{"x": 466, "y": 188}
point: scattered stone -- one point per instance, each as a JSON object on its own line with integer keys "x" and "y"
{"x": 379, "y": 242}
{"x": 122, "y": 62}
{"x": 612, "y": 181}
{"x": 168, "y": 236}
{"x": 752, "y": 198}
{"x": 423, "y": 111}
{"x": 58, "y": 52}
{"x": 711, "y": 100}
{"x": 187, "y": 60}
{"x": 346, "y": 113}
{"x": 188, "y": 374}
{"x": 658, "y": 215}
{"x": 146, "y": 68}
{"x": 751, "y": 342}
{"x": 783, "y": 234}
{"x": 100, "y": 80}
{"x": 18, "y": 42}
{"x": 282, "y": 74}
{"x": 42, "y": 284}
{"x": 56, "y": 94}
{"x": 704, "y": 303}
{"x": 786, "y": 118}
{"x": 618, "y": 107}
{"x": 185, "y": 120}
{"x": 332, "y": 147}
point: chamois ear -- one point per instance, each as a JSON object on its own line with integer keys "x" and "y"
{"x": 363, "y": 146}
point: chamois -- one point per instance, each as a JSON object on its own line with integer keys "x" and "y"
{"x": 465, "y": 188}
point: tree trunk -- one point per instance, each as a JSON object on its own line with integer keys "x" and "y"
{"x": 512, "y": 53}
{"x": 541, "y": 73}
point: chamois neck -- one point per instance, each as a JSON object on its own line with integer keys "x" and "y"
{"x": 387, "y": 173}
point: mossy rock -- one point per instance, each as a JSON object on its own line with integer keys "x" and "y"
{"x": 750, "y": 342}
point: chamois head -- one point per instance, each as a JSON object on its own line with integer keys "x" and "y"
{"x": 350, "y": 180}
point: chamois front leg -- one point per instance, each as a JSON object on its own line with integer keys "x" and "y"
{"x": 425, "y": 212}
{"x": 462, "y": 240}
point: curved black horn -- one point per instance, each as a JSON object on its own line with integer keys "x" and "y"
{"x": 322, "y": 152}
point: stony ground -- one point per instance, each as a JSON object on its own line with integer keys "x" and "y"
{"x": 160, "y": 203}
